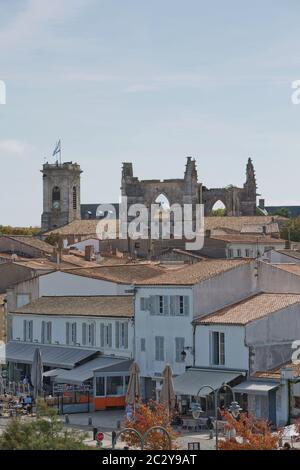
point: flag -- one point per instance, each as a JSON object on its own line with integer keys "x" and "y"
{"x": 57, "y": 148}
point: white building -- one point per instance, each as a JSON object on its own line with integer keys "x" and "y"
{"x": 166, "y": 305}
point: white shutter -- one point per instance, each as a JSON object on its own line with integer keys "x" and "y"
{"x": 92, "y": 334}
{"x": 31, "y": 330}
{"x": 166, "y": 305}
{"x": 186, "y": 303}
{"x": 172, "y": 304}
{"x": 49, "y": 332}
{"x": 152, "y": 304}
{"x": 24, "y": 330}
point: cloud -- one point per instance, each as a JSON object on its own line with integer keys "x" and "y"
{"x": 31, "y": 20}
{"x": 14, "y": 148}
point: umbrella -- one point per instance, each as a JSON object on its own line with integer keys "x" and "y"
{"x": 37, "y": 373}
{"x": 167, "y": 394}
{"x": 133, "y": 391}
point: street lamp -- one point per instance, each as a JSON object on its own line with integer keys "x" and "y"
{"x": 235, "y": 409}
{"x": 196, "y": 410}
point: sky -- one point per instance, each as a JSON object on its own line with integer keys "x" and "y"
{"x": 149, "y": 82}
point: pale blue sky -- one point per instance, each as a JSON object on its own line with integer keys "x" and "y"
{"x": 149, "y": 82}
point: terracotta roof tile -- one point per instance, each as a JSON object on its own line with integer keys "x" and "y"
{"x": 109, "y": 306}
{"x": 250, "y": 309}
{"x": 192, "y": 274}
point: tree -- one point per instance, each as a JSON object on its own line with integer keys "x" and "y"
{"x": 146, "y": 416}
{"x": 291, "y": 231}
{"x": 282, "y": 212}
{"x": 8, "y": 230}
{"x": 46, "y": 432}
{"x": 250, "y": 434}
{"x": 53, "y": 239}
{"x": 219, "y": 212}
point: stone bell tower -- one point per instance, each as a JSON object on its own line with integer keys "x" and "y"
{"x": 61, "y": 194}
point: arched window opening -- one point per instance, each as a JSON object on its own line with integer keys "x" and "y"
{"x": 163, "y": 202}
{"x": 74, "y": 198}
{"x": 219, "y": 209}
{"x": 56, "y": 198}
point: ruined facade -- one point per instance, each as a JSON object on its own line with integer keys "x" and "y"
{"x": 237, "y": 201}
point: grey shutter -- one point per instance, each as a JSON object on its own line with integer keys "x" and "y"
{"x": 24, "y": 330}
{"x": 152, "y": 304}
{"x": 186, "y": 304}
{"x": 109, "y": 335}
{"x": 102, "y": 335}
{"x": 74, "y": 332}
{"x": 49, "y": 332}
{"x": 92, "y": 334}
{"x": 156, "y": 348}
{"x": 43, "y": 332}
{"x": 84, "y": 333}
{"x": 143, "y": 303}
{"x": 166, "y": 304}
{"x": 31, "y": 330}
{"x": 172, "y": 304}
{"x": 67, "y": 333}
{"x": 126, "y": 335}
{"x": 179, "y": 347}
{"x": 147, "y": 303}
{"x": 117, "y": 334}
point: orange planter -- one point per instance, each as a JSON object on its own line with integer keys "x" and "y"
{"x": 101, "y": 403}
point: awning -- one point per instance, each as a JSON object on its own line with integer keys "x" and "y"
{"x": 192, "y": 380}
{"x": 53, "y": 372}
{"x": 52, "y": 356}
{"x": 86, "y": 371}
{"x": 252, "y": 387}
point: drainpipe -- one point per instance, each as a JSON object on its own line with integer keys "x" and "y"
{"x": 194, "y": 344}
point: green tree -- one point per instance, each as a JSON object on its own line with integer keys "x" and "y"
{"x": 8, "y": 230}
{"x": 219, "y": 212}
{"x": 53, "y": 239}
{"x": 283, "y": 212}
{"x": 46, "y": 432}
{"x": 291, "y": 231}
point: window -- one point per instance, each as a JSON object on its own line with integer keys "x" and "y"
{"x": 179, "y": 347}
{"x": 46, "y": 333}
{"x": 238, "y": 253}
{"x": 88, "y": 334}
{"x": 22, "y": 299}
{"x": 247, "y": 253}
{"x": 74, "y": 198}
{"x": 121, "y": 335}
{"x": 143, "y": 344}
{"x": 217, "y": 348}
{"x": 230, "y": 253}
{"x": 74, "y": 333}
{"x": 28, "y": 330}
{"x": 296, "y": 402}
{"x": 106, "y": 335}
{"x": 56, "y": 198}
{"x": 114, "y": 385}
{"x": 161, "y": 304}
{"x": 181, "y": 306}
{"x": 159, "y": 348}
{"x": 100, "y": 386}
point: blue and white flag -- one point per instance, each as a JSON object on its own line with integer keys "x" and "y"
{"x": 57, "y": 148}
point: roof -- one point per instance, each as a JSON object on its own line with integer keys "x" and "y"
{"x": 193, "y": 379}
{"x": 292, "y": 253}
{"x": 31, "y": 241}
{"x": 249, "y": 239}
{"x": 288, "y": 267}
{"x": 261, "y": 228}
{"x": 107, "y": 306}
{"x": 250, "y": 309}
{"x": 194, "y": 273}
{"x": 275, "y": 373}
{"x": 84, "y": 372}
{"x": 255, "y": 387}
{"x": 88, "y": 227}
{"x": 52, "y": 356}
{"x": 120, "y": 273}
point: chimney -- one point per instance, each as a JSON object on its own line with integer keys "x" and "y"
{"x": 89, "y": 252}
